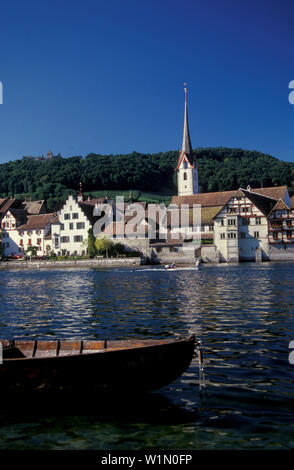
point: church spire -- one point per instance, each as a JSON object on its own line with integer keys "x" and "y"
{"x": 187, "y": 168}
{"x": 186, "y": 145}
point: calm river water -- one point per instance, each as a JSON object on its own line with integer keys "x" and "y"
{"x": 242, "y": 313}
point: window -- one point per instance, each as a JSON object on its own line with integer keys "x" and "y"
{"x": 71, "y": 226}
{"x": 231, "y": 221}
{"x": 258, "y": 220}
{"x": 21, "y": 242}
{"x": 64, "y": 239}
{"x": 211, "y": 228}
{"x": 39, "y": 240}
{"x": 232, "y": 235}
{"x": 66, "y": 216}
{"x": 275, "y": 236}
{"x": 29, "y": 242}
{"x": 78, "y": 238}
{"x": 80, "y": 225}
{"x": 246, "y": 221}
{"x": 223, "y": 235}
{"x": 256, "y": 234}
{"x": 222, "y": 222}
{"x": 75, "y": 215}
{"x": 185, "y": 176}
{"x": 61, "y": 226}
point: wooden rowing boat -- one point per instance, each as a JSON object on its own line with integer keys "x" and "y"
{"x": 137, "y": 365}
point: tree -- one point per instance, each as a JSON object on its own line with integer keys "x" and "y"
{"x": 32, "y": 251}
{"x": 104, "y": 246}
{"x": 91, "y": 244}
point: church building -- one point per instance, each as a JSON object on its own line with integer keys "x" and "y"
{"x": 187, "y": 167}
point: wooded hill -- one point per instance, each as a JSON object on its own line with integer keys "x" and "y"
{"x": 219, "y": 169}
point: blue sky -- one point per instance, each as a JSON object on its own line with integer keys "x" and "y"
{"x": 107, "y": 76}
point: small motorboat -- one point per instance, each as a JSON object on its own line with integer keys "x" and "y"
{"x": 170, "y": 266}
{"x": 115, "y": 366}
{"x": 197, "y": 263}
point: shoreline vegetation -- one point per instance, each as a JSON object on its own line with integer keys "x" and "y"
{"x": 151, "y": 177}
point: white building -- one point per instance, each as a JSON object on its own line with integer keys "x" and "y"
{"x": 70, "y": 232}
{"x": 241, "y": 227}
{"x": 20, "y": 231}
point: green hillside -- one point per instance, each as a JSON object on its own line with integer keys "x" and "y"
{"x": 149, "y": 176}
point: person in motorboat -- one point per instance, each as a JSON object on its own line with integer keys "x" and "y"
{"x": 198, "y": 262}
{"x": 171, "y": 266}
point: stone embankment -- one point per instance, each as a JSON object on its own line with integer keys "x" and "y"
{"x": 82, "y": 263}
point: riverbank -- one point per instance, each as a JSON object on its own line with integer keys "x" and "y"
{"x": 87, "y": 263}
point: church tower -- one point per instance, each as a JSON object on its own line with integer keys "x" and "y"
{"x": 187, "y": 168}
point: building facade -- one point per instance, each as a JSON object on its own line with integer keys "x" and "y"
{"x": 21, "y": 231}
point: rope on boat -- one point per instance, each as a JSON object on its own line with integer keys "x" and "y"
{"x": 199, "y": 349}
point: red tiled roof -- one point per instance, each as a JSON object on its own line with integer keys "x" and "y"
{"x": 34, "y": 207}
{"x": 38, "y": 221}
{"x": 205, "y": 199}
{"x": 275, "y": 192}
{"x": 97, "y": 200}
{"x": 222, "y": 197}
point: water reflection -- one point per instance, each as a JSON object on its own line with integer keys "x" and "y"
{"x": 243, "y": 314}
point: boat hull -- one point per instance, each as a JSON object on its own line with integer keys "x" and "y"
{"x": 118, "y": 366}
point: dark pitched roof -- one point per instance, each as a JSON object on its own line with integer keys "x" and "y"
{"x": 8, "y": 203}
{"x": 264, "y": 203}
{"x": 19, "y": 215}
{"x": 88, "y": 211}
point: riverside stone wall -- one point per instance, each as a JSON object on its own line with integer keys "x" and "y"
{"x": 87, "y": 263}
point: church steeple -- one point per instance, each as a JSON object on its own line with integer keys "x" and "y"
{"x": 186, "y": 145}
{"x": 187, "y": 168}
